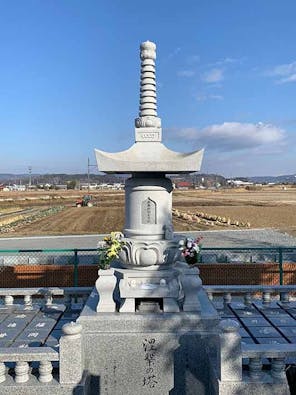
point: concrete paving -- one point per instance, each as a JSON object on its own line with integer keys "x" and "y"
{"x": 213, "y": 238}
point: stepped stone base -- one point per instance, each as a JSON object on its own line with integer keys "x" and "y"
{"x": 152, "y": 353}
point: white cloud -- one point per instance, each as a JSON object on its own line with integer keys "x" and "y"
{"x": 174, "y": 53}
{"x": 186, "y": 73}
{"x": 204, "y": 97}
{"x": 284, "y": 73}
{"x": 193, "y": 59}
{"x": 213, "y": 75}
{"x": 226, "y": 60}
{"x": 233, "y": 136}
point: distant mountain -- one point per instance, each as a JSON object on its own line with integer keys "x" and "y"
{"x": 195, "y": 178}
{"x": 289, "y": 179}
{"x": 8, "y": 176}
{"x": 58, "y": 178}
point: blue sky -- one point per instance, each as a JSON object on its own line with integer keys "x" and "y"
{"x": 226, "y": 74}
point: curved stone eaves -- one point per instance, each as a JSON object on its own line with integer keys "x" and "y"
{"x": 147, "y": 157}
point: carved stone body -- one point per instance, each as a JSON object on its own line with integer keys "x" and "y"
{"x": 148, "y": 207}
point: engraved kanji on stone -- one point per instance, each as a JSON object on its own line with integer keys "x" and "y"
{"x": 148, "y": 211}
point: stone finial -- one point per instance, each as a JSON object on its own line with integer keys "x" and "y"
{"x": 148, "y": 50}
{"x": 72, "y": 329}
{"x": 148, "y": 103}
{"x": 229, "y": 326}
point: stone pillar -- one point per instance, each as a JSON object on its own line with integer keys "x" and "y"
{"x": 230, "y": 358}
{"x": 71, "y": 356}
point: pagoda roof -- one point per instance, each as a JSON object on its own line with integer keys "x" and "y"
{"x": 149, "y": 157}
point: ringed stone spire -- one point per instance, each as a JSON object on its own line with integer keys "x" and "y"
{"x": 148, "y": 154}
{"x": 148, "y": 98}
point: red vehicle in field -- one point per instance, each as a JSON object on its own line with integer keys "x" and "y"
{"x": 85, "y": 201}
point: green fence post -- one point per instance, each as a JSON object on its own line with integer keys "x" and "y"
{"x": 281, "y": 265}
{"x": 75, "y": 268}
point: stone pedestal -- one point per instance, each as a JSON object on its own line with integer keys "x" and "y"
{"x": 153, "y": 353}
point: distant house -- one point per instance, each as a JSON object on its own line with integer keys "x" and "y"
{"x": 92, "y": 186}
{"x": 239, "y": 183}
{"x": 184, "y": 185}
{"x": 60, "y": 186}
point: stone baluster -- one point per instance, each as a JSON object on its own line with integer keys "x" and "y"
{"x": 226, "y": 298}
{"x": 285, "y": 297}
{"x": 266, "y": 297}
{"x": 48, "y": 299}
{"x": 45, "y": 372}
{"x": 255, "y": 368}
{"x": 8, "y": 300}
{"x": 71, "y": 358}
{"x": 248, "y": 299}
{"x": 67, "y": 298}
{"x": 278, "y": 369}
{"x": 28, "y": 300}
{"x": 230, "y": 359}
{"x": 21, "y": 372}
{"x": 210, "y": 295}
{"x": 2, "y": 372}
{"x": 84, "y": 298}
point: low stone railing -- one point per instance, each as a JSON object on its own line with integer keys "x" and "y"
{"x": 68, "y": 295}
{"x": 247, "y": 291}
{"x": 231, "y": 352}
{"x": 22, "y": 356}
{"x": 69, "y": 357}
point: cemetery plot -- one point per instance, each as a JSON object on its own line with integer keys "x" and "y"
{"x": 38, "y": 327}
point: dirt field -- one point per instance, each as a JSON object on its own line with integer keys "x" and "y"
{"x": 34, "y": 212}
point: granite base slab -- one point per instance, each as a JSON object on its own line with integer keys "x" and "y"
{"x": 153, "y": 353}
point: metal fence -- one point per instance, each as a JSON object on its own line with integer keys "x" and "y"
{"x": 75, "y": 259}
{"x": 250, "y": 255}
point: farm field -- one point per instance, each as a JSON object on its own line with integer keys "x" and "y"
{"x": 53, "y": 213}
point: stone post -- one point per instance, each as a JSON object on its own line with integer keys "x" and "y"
{"x": 230, "y": 358}
{"x": 2, "y": 372}
{"x": 71, "y": 356}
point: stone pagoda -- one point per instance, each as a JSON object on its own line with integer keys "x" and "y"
{"x": 149, "y": 241}
{"x": 150, "y": 303}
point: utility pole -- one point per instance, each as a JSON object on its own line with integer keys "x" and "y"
{"x": 88, "y": 175}
{"x": 88, "y": 165}
{"x": 30, "y": 176}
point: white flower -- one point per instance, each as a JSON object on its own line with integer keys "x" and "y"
{"x": 101, "y": 244}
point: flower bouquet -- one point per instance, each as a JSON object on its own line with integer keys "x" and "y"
{"x": 109, "y": 248}
{"x": 190, "y": 249}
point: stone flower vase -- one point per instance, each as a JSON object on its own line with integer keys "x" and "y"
{"x": 192, "y": 260}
